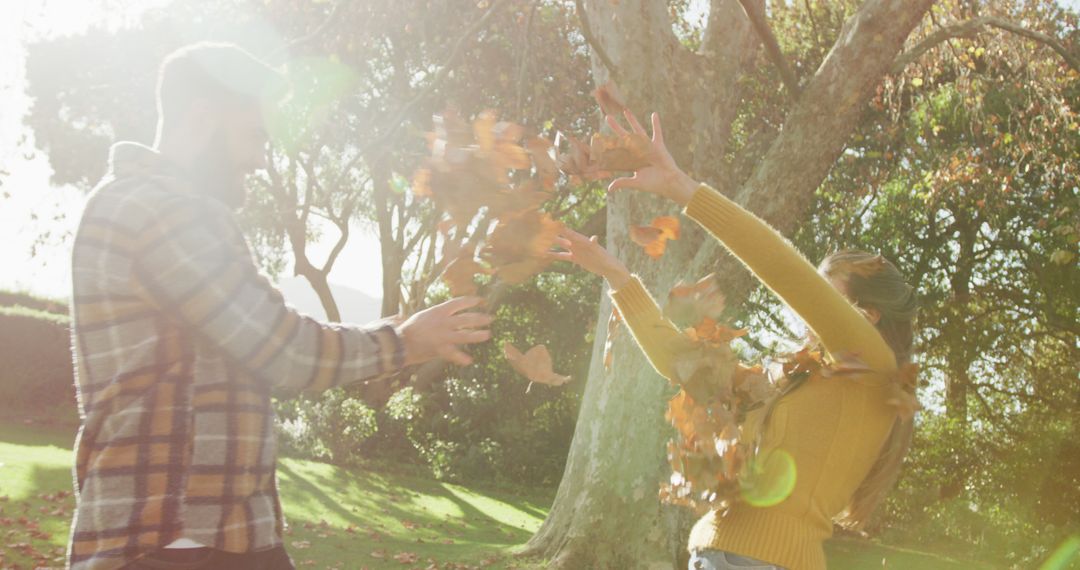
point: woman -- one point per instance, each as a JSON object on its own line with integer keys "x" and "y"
{"x": 846, "y": 432}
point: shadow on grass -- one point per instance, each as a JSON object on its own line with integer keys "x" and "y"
{"x": 373, "y": 492}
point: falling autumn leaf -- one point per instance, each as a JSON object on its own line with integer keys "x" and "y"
{"x": 517, "y": 247}
{"x": 546, "y": 168}
{"x": 499, "y": 141}
{"x": 654, "y": 236}
{"x": 535, "y": 364}
{"x": 689, "y": 303}
{"x": 577, "y": 161}
{"x": 607, "y": 96}
{"x": 459, "y": 275}
{"x": 627, "y": 152}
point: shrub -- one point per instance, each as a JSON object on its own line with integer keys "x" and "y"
{"x": 330, "y": 426}
{"x": 36, "y": 374}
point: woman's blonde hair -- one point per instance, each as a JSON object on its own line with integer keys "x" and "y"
{"x": 872, "y": 282}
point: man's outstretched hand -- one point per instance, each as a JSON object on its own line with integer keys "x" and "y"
{"x": 440, "y": 331}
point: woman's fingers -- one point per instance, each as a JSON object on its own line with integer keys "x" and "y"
{"x": 570, "y": 235}
{"x": 657, "y": 132}
{"x": 614, "y": 124}
{"x": 634, "y": 124}
{"x": 624, "y": 182}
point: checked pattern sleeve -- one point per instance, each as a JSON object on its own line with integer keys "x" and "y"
{"x": 194, "y": 265}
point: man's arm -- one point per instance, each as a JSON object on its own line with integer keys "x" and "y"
{"x": 192, "y": 265}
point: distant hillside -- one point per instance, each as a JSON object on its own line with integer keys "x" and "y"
{"x": 355, "y": 306}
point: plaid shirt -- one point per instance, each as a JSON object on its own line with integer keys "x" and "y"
{"x": 178, "y": 342}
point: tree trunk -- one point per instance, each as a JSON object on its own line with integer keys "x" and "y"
{"x": 392, "y": 258}
{"x": 321, "y": 286}
{"x": 959, "y": 353}
{"x": 606, "y": 512}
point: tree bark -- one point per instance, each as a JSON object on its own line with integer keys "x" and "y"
{"x": 606, "y": 513}
{"x": 392, "y": 257}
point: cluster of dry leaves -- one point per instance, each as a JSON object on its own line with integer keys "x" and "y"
{"x": 493, "y": 173}
{"x": 493, "y": 179}
{"x": 708, "y": 453}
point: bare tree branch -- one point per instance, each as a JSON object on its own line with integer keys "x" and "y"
{"x": 319, "y": 30}
{"x": 973, "y": 27}
{"x": 772, "y": 47}
{"x": 594, "y": 44}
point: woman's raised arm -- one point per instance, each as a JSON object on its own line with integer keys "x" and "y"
{"x": 833, "y": 319}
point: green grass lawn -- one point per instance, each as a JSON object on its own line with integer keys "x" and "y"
{"x": 340, "y": 518}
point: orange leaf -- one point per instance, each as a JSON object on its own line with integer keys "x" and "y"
{"x": 421, "y": 185}
{"x": 691, "y": 303}
{"x": 518, "y": 245}
{"x": 654, "y": 236}
{"x": 620, "y": 152}
{"x": 668, "y": 224}
{"x": 534, "y": 364}
{"x": 577, "y": 163}
{"x": 546, "y": 168}
{"x": 459, "y": 275}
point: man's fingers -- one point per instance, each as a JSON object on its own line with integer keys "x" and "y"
{"x": 458, "y": 304}
{"x": 471, "y": 320}
{"x": 657, "y": 132}
{"x": 466, "y": 336}
{"x": 563, "y": 242}
{"x": 560, "y": 256}
{"x": 614, "y": 124}
{"x": 454, "y": 355}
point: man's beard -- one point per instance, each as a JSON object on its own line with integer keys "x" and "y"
{"x": 216, "y": 176}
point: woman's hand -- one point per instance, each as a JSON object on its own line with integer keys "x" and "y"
{"x": 661, "y": 176}
{"x": 590, "y": 256}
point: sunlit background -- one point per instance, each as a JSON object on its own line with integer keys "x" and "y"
{"x": 38, "y": 218}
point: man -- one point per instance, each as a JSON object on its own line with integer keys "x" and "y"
{"x": 179, "y": 340}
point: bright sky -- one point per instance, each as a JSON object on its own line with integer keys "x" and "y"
{"x": 26, "y": 193}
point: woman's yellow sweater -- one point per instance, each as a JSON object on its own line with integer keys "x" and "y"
{"x": 834, "y": 427}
